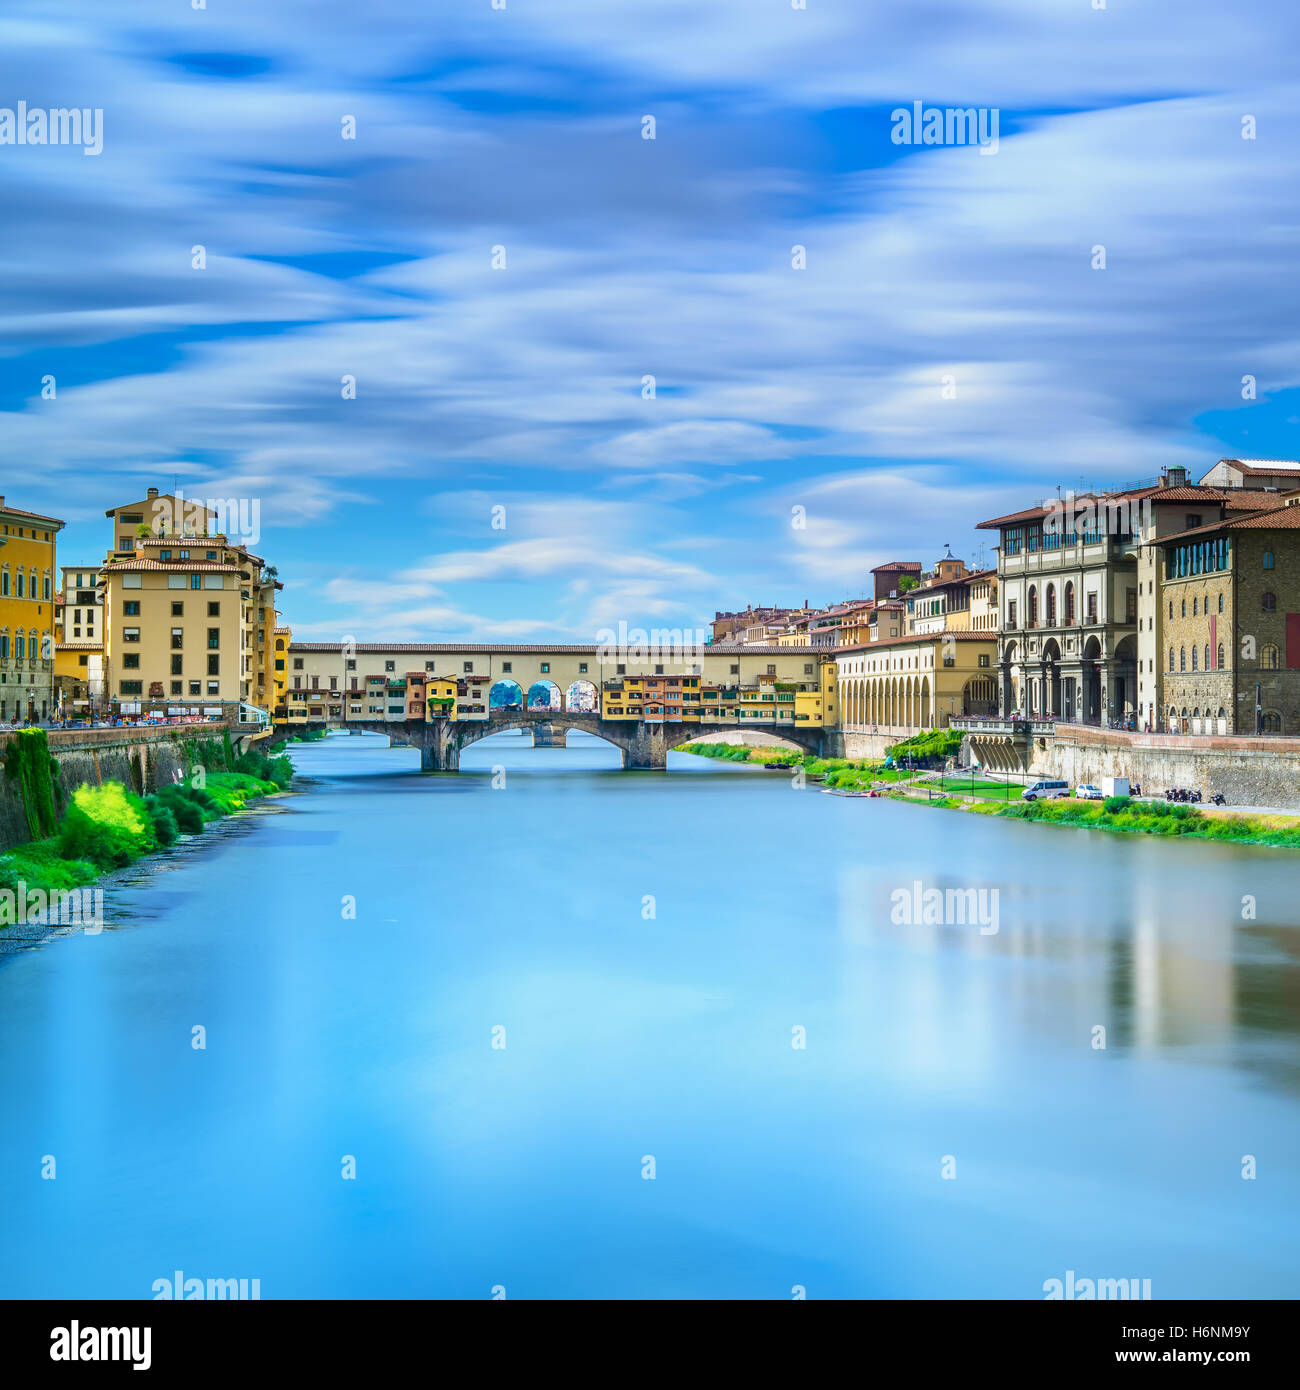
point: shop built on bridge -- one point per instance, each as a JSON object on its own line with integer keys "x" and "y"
{"x": 441, "y": 698}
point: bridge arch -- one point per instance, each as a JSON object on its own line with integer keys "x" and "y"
{"x": 582, "y": 697}
{"x": 544, "y": 694}
{"x": 505, "y": 694}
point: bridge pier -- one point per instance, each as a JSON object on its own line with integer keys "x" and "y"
{"x": 549, "y": 736}
{"x": 438, "y": 743}
{"x": 647, "y": 750}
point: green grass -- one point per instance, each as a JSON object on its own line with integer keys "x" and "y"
{"x": 844, "y": 774}
{"x": 982, "y": 787}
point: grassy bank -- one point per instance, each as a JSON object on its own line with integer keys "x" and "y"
{"x": 107, "y": 827}
{"x": 844, "y": 774}
{"x": 1120, "y": 814}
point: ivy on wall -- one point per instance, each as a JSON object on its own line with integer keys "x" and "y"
{"x": 28, "y": 762}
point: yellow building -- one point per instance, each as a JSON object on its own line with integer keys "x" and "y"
{"x": 817, "y": 708}
{"x": 440, "y": 697}
{"x": 189, "y": 616}
{"x": 280, "y": 671}
{"x": 905, "y": 685}
{"x": 27, "y": 614}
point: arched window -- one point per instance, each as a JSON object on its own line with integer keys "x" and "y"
{"x": 1171, "y": 658}
{"x": 1069, "y": 605}
{"x": 1194, "y": 658}
{"x": 1268, "y": 657}
{"x": 1195, "y": 606}
{"x": 1268, "y": 559}
{"x": 1033, "y": 606}
{"x": 1271, "y": 722}
{"x": 1182, "y": 658}
{"x": 1051, "y": 605}
{"x": 1220, "y": 603}
{"x": 1221, "y": 662}
{"x": 1268, "y": 602}
{"x": 1207, "y": 656}
{"x": 21, "y": 580}
{"x": 1184, "y": 612}
{"x": 4, "y": 583}
{"x": 4, "y": 646}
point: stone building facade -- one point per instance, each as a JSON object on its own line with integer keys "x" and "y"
{"x": 1229, "y": 598}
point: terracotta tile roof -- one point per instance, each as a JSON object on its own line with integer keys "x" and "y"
{"x": 1264, "y": 466}
{"x": 204, "y": 566}
{"x": 7, "y": 510}
{"x": 917, "y": 639}
{"x": 508, "y": 649}
{"x": 1283, "y": 518}
{"x": 899, "y": 565}
{"x": 75, "y": 646}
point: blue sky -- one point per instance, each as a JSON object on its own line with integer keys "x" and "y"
{"x": 521, "y": 388}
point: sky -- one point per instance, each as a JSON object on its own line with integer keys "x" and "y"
{"x": 499, "y": 260}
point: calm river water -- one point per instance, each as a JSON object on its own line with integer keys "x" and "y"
{"x": 628, "y": 1037}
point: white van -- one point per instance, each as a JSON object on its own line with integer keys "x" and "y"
{"x": 1046, "y": 789}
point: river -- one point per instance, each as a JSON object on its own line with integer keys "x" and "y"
{"x": 650, "y": 943}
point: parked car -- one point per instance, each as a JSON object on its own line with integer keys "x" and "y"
{"x": 1085, "y": 791}
{"x": 1045, "y": 789}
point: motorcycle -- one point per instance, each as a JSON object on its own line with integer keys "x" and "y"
{"x": 1218, "y": 799}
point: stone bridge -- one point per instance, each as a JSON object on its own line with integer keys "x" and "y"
{"x": 643, "y": 745}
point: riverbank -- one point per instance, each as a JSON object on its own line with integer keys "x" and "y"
{"x": 1122, "y": 815}
{"x": 106, "y": 827}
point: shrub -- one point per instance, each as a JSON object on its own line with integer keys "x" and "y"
{"x": 163, "y": 820}
{"x": 107, "y": 825}
{"x": 1114, "y": 804}
{"x": 186, "y": 812}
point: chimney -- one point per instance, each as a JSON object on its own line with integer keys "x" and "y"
{"x": 1177, "y": 477}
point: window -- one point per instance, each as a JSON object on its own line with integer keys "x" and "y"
{"x": 1092, "y": 606}
{"x": 428, "y": 666}
{"x": 1268, "y": 602}
{"x": 1051, "y": 606}
{"x": 1195, "y": 602}
{"x": 130, "y": 634}
{"x": 1183, "y": 613}
{"x": 196, "y": 580}
{"x": 469, "y": 665}
{"x": 350, "y": 665}
{"x": 1171, "y": 658}
{"x": 214, "y": 687}
{"x": 196, "y": 687}
{"x": 131, "y": 661}
{"x": 214, "y": 638}
{"x": 582, "y": 668}
{"x": 176, "y": 664}
{"x": 1207, "y": 656}
{"x": 1268, "y": 658}
{"x": 214, "y": 665}
{"x": 177, "y": 687}
{"x": 178, "y": 638}
{"x": 984, "y": 659}
{"x": 1220, "y": 603}
{"x": 214, "y": 608}
{"x": 1268, "y": 559}
{"x": 546, "y": 667}
{"x": 1182, "y": 658}
{"x": 178, "y": 610}
{"x": 1011, "y": 613}
{"x": 132, "y": 688}
{"x": 1194, "y": 659}
{"x": 1069, "y": 605}
{"x": 131, "y": 608}
{"x": 1220, "y": 656}
{"x": 1130, "y": 605}
{"x": 507, "y": 667}
{"x": 390, "y": 665}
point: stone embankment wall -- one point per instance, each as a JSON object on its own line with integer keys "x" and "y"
{"x": 841, "y": 743}
{"x": 1263, "y": 771}
{"x": 141, "y": 759}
